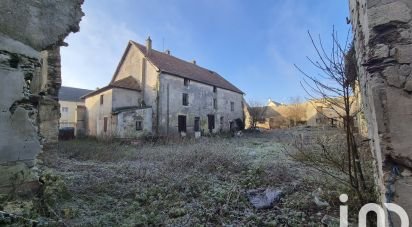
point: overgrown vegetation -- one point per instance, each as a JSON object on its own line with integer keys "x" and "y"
{"x": 334, "y": 84}
{"x": 182, "y": 182}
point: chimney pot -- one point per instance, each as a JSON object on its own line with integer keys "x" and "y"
{"x": 148, "y": 45}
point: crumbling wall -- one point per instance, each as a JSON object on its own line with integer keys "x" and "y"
{"x": 30, "y": 35}
{"x": 383, "y": 43}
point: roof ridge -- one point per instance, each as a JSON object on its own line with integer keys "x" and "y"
{"x": 169, "y": 55}
{"x": 182, "y": 68}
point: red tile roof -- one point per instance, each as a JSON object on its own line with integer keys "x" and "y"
{"x": 129, "y": 83}
{"x": 175, "y": 66}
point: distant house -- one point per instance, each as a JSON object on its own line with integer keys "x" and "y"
{"x": 155, "y": 92}
{"x": 315, "y": 112}
{"x": 72, "y": 108}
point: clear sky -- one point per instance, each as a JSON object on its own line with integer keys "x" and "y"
{"x": 252, "y": 43}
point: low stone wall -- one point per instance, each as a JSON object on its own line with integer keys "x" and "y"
{"x": 30, "y": 35}
{"x": 383, "y": 43}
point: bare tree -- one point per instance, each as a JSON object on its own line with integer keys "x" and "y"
{"x": 295, "y": 111}
{"x": 257, "y": 112}
{"x": 334, "y": 85}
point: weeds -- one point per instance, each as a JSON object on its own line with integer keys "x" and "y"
{"x": 164, "y": 181}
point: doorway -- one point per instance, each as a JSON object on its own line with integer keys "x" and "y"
{"x": 181, "y": 123}
{"x": 211, "y": 122}
{"x": 197, "y": 124}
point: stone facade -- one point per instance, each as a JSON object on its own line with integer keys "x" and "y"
{"x": 29, "y": 81}
{"x": 383, "y": 42}
{"x": 162, "y": 92}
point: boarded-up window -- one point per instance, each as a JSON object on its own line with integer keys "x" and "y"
{"x": 105, "y": 124}
{"x": 101, "y": 99}
{"x": 185, "y": 99}
{"x": 232, "y": 106}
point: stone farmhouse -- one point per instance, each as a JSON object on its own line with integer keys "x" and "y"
{"x": 314, "y": 112}
{"x": 155, "y": 92}
{"x": 72, "y": 109}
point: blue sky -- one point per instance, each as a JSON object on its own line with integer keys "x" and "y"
{"x": 253, "y": 44}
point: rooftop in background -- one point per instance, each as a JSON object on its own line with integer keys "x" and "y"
{"x": 172, "y": 65}
{"x": 72, "y": 94}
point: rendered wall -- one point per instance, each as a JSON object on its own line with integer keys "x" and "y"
{"x": 96, "y": 112}
{"x": 383, "y": 43}
{"x": 200, "y": 105}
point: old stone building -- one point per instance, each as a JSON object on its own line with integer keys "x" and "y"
{"x": 383, "y": 42}
{"x": 72, "y": 109}
{"x": 155, "y": 92}
{"x": 29, "y": 82}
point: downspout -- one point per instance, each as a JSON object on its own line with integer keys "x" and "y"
{"x": 157, "y": 102}
{"x": 167, "y": 111}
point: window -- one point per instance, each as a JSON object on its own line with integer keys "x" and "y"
{"x": 101, "y": 99}
{"x": 214, "y": 89}
{"x": 65, "y": 109}
{"x": 181, "y": 123}
{"x": 215, "y": 104}
{"x": 197, "y": 124}
{"x": 185, "y": 99}
{"x": 186, "y": 82}
{"x": 232, "y": 106}
{"x": 139, "y": 123}
{"x": 105, "y": 124}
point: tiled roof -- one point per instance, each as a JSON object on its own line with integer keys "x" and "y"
{"x": 72, "y": 94}
{"x": 129, "y": 83}
{"x": 175, "y": 66}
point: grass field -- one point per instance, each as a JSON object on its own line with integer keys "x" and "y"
{"x": 181, "y": 183}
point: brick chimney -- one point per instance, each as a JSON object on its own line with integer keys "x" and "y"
{"x": 148, "y": 45}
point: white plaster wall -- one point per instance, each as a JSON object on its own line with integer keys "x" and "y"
{"x": 132, "y": 66}
{"x": 125, "y": 98}
{"x": 70, "y": 116}
{"x": 96, "y": 113}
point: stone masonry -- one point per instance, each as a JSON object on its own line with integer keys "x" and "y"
{"x": 31, "y": 33}
{"x": 383, "y": 42}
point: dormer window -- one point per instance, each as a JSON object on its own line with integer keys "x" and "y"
{"x": 186, "y": 82}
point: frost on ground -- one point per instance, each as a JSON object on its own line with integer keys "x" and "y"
{"x": 184, "y": 183}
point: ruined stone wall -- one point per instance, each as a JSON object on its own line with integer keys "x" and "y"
{"x": 383, "y": 43}
{"x": 30, "y": 35}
